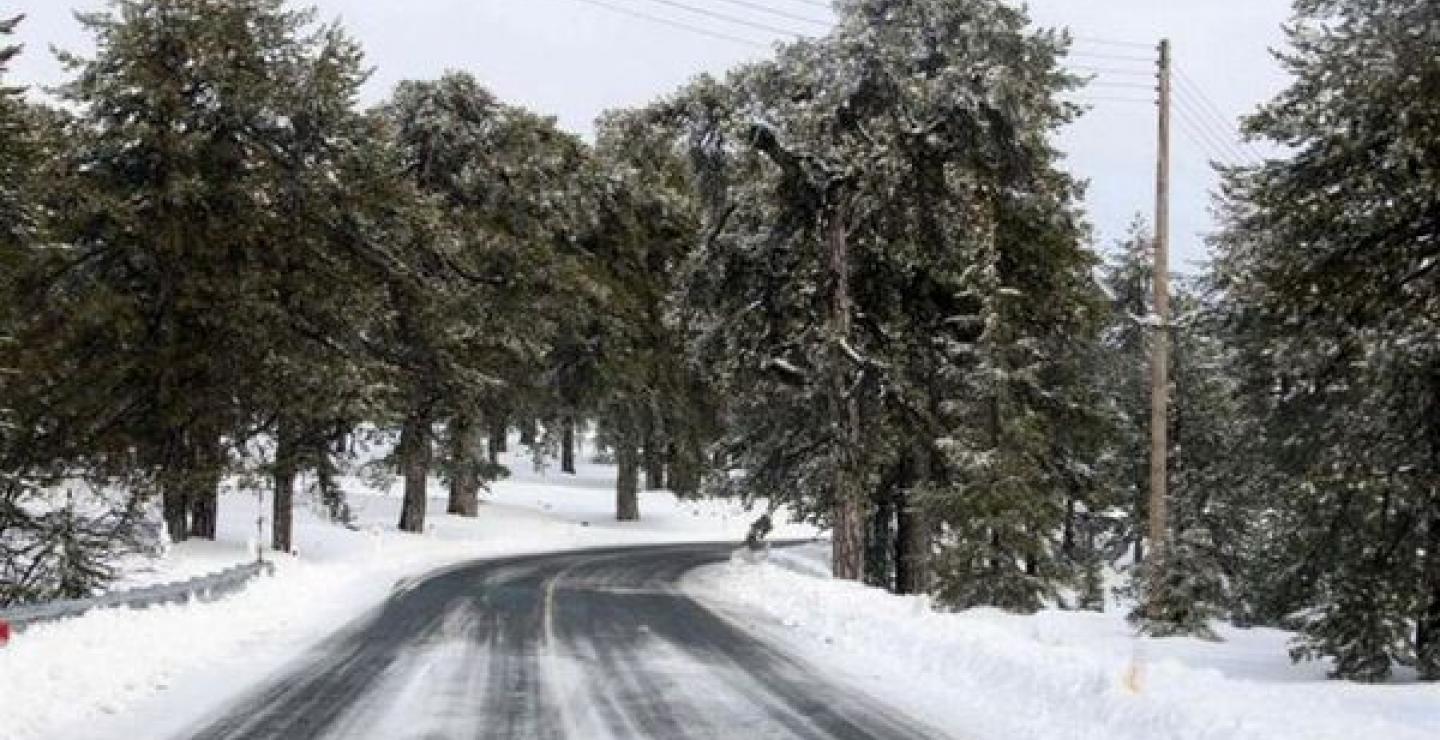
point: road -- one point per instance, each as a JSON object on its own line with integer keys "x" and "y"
{"x": 581, "y": 645}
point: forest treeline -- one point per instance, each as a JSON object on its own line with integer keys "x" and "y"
{"x": 853, "y": 278}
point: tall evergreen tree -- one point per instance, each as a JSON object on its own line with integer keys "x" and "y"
{"x": 1329, "y": 268}
{"x": 501, "y": 245}
{"x": 184, "y": 102}
{"x": 887, "y": 233}
{"x": 336, "y": 197}
{"x": 655, "y": 409}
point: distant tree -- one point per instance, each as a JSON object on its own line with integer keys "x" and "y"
{"x": 1128, "y": 279}
{"x": 500, "y": 243}
{"x": 653, "y": 406}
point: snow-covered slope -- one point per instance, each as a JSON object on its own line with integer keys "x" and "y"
{"x": 123, "y": 673}
{"x": 987, "y": 674}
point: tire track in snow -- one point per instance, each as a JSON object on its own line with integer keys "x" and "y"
{"x": 580, "y": 645}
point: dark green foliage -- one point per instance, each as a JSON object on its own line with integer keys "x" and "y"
{"x": 1128, "y": 278}
{"x": 962, "y": 294}
{"x": 1329, "y": 269}
{"x": 1190, "y": 588}
{"x": 177, "y": 249}
{"x": 498, "y": 248}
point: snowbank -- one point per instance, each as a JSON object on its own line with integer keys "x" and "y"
{"x": 987, "y": 674}
{"x": 147, "y": 673}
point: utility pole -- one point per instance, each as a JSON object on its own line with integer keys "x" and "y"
{"x": 1160, "y": 339}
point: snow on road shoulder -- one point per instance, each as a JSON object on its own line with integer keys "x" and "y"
{"x": 152, "y": 672}
{"x": 986, "y": 674}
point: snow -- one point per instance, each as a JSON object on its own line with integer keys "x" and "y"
{"x": 149, "y": 673}
{"x": 1056, "y": 674}
{"x": 981, "y": 673}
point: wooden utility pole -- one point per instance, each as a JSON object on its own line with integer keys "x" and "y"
{"x": 1160, "y": 338}
{"x": 848, "y": 525}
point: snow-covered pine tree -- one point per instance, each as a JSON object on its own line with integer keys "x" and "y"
{"x": 498, "y": 248}
{"x": 1208, "y": 473}
{"x": 1127, "y": 277}
{"x": 334, "y": 185}
{"x": 166, "y": 279}
{"x": 1331, "y": 274}
{"x": 857, "y": 189}
{"x": 651, "y": 395}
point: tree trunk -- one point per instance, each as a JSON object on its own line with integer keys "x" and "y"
{"x": 880, "y": 544}
{"x": 282, "y": 517}
{"x": 175, "y": 505}
{"x": 415, "y": 466}
{"x": 685, "y": 471}
{"x": 654, "y": 467}
{"x": 912, "y": 539}
{"x": 567, "y": 445}
{"x": 205, "y": 494}
{"x": 331, "y": 494}
{"x": 848, "y": 517}
{"x": 848, "y": 538}
{"x": 627, "y": 483}
{"x": 651, "y": 461}
{"x": 1427, "y": 627}
{"x": 527, "y": 433}
{"x": 1067, "y": 536}
{"x": 465, "y": 450}
{"x": 498, "y": 430}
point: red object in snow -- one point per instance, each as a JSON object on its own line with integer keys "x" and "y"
{"x": 4, "y": 632}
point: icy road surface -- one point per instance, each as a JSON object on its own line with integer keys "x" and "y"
{"x": 582, "y": 645}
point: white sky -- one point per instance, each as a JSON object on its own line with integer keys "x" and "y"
{"x": 573, "y": 59}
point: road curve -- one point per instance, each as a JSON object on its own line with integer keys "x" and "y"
{"x": 581, "y": 645}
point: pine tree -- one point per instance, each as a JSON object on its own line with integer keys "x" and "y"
{"x": 182, "y": 106}
{"x": 1328, "y": 264}
{"x": 499, "y": 249}
{"x": 652, "y": 402}
{"x": 59, "y": 533}
{"x": 868, "y": 258}
{"x": 1128, "y": 280}
{"x": 1207, "y": 474}
{"x": 334, "y": 184}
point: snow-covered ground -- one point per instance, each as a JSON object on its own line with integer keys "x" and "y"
{"x": 980, "y": 674}
{"x": 986, "y": 674}
{"x": 144, "y": 673}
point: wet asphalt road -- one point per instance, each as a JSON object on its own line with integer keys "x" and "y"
{"x": 588, "y": 644}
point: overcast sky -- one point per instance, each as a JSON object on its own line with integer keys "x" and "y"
{"x": 573, "y": 59}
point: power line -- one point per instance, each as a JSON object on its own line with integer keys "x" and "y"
{"x": 1207, "y": 106}
{"x": 1112, "y": 70}
{"x": 1190, "y": 82}
{"x": 1219, "y": 150}
{"x": 1130, "y": 85}
{"x": 1110, "y": 57}
{"x": 814, "y": 4}
{"x": 1218, "y": 135}
{"x": 675, "y": 24}
{"x": 1114, "y": 99}
{"x": 1207, "y": 121}
{"x": 1208, "y": 152}
{"x": 1113, "y": 42}
{"x": 727, "y": 18}
{"x": 763, "y": 8}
